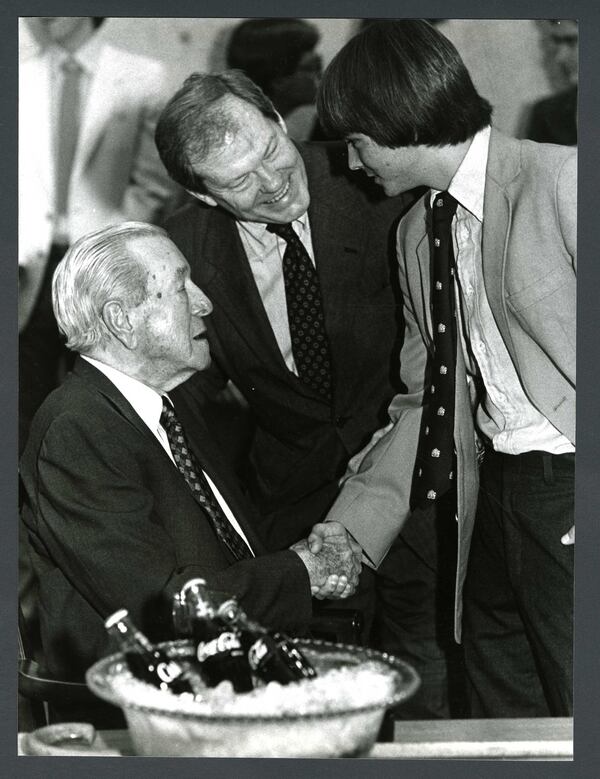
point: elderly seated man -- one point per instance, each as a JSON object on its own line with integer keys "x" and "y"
{"x": 126, "y": 496}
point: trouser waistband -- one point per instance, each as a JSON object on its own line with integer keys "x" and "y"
{"x": 545, "y": 461}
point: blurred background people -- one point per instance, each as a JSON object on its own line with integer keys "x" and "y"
{"x": 86, "y": 160}
{"x": 280, "y": 56}
{"x": 554, "y": 119}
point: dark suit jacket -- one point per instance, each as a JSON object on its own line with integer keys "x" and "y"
{"x": 113, "y": 524}
{"x": 301, "y": 444}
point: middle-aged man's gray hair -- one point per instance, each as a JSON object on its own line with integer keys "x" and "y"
{"x": 98, "y": 267}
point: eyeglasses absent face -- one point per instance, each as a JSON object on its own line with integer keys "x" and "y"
{"x": 170, "y": 331}
{"x": 257, "y": 173}
{"x": 395, "y": 170}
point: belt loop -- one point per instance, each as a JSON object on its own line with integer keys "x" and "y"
{"x": 548, "y": 475}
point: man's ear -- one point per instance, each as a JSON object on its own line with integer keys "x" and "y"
{"x": 117, "y": 322}
{"x": 210, "y": 201}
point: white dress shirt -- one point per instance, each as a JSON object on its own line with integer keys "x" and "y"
{"x": 265, "y": 252}
{"x": 147, "y": 403}
{"x": 504, "y": 414}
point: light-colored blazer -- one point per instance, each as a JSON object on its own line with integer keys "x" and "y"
{"x": 116, "y": 174}
{"x": 529, "y": 268}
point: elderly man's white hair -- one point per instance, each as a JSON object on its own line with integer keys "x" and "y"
{"x": 97, "y": 268}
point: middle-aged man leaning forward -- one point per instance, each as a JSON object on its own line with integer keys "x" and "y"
{"x": 112, "y": 520}
{"x": 495, "y": 382}
{"x": 221, "y": 139}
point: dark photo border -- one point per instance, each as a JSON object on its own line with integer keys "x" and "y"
{"x": 587, "y": 633}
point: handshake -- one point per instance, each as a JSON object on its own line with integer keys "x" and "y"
{"x": 332, "y": 558}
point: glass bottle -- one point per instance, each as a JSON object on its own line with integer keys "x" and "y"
{"x": 271, "y": 655}
{"x": 149, "y": 662}
{"x": 218, "y": 648}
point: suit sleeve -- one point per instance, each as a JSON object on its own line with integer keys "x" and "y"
{"x": 374, "y": 500}
{"x": 98, "y": 522}
{"x": 566, "y": 196}
{"x": 150, "y": 190}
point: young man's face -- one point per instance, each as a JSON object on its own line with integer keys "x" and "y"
{"x": 257, "y": 174}
{"x": 396, "y": 170}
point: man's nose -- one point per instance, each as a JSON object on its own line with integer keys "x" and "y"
{"x": 354, "y": 162}
{"x": 201, "y": 305}
{"x": 271, "y": 179}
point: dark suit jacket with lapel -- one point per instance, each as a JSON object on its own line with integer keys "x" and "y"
{"x": 113, "y": 524}
{"x": 301, "y": 444}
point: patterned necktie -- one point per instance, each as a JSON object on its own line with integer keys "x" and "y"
{"x": 434, "y": 467}
{"x": 68, "y": 131}
{"x": 196, "y": 480}
{"x": 310, "y": 344}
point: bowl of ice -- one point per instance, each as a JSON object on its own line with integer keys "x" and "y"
{"x": 336, "y": 714}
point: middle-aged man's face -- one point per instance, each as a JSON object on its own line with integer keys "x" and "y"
{"x": 396, "y": 170}
{"x": 171, "y": 334}
{"x": 257, "y": 174}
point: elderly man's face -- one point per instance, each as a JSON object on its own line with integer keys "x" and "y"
{"x": 257, "y": 174}
{"x": 170, "y": 331}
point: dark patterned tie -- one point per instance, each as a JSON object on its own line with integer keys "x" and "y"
{"x": 310, "y": 344}
{"x": 196, "y": 480}
{"x": 435, "y": 464}
{"x": 68, "y": 131}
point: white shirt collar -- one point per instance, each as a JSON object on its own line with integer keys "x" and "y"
{"x": 146, "y": 402}
{"x": 468, "y": 183}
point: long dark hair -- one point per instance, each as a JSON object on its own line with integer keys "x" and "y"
{"x": 402, "y": 83}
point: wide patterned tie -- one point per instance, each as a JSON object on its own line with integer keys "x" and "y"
{"x": 196, "y": 480}
{"x": 68, "y": 131}
{"x": 310, "y": 344}
{"x": 435, "y": 464}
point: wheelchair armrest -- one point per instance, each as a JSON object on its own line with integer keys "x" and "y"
{"x": 38, "y": 685}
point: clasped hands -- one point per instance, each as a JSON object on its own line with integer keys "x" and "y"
{"x": 333, "y": 560}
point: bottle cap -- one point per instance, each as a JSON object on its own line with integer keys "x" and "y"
{"x": 116, "y": 617}
{"x": 192, "y": 583}
{"x": 230, "y": 607}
